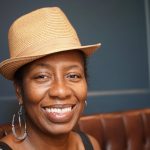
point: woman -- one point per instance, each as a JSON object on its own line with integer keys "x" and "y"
{"x": 48, "y": 67}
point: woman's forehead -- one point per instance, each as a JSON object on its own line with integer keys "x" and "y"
{"x": 65, "y": 57}
{"x": 74, "y": 55}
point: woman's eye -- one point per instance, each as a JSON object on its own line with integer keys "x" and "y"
{"x": 74, "y": 77}
{"x": 42, "y": 77}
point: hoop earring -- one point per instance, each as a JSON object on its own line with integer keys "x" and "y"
{"x": 20, "y": 115}
{"x": 86, "y": 103}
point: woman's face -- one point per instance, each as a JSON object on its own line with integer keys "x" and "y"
{"x": 54, "y": 90}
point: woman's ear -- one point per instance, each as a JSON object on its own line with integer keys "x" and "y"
{"x": 18, "y": 92}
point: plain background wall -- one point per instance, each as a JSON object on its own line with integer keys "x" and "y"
{"x": 118, "y": 72}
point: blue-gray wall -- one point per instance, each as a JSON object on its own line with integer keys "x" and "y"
{"x": 118, "y": 72}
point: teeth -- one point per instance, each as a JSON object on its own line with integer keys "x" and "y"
{"x": 58, "y": 110}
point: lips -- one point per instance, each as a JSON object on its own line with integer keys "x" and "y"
{"x": 59, "y": 113}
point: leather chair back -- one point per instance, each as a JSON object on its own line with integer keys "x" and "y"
{"x": 119, "y": 131}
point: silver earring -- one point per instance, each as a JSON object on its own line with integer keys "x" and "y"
{"x": 85, "y": 102}
{"x": 20, "y": 119}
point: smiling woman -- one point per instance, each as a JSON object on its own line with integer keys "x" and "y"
{"x": 53, "y": 91}
{"x": 48, "y": 69}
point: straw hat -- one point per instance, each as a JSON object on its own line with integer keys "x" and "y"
{"x": 37, "y": 34}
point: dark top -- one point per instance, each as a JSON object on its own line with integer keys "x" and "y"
{"x": 4, "y": 146}
{"x": 86, "y": 141}
{"x": 84, "y": 137}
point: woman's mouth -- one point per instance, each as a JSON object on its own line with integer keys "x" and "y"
{"x": 59, "y": 113}
{"x": 58, "y": 110}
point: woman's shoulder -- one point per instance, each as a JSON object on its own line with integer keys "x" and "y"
{"x": 6, "y": 143}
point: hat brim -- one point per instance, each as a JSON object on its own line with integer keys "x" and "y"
{"x": 9, "y": 66}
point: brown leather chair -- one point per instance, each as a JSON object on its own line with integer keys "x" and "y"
{"x": 128, "y": 130}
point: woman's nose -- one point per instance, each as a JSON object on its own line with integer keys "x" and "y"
{"x": 59, "y": 90}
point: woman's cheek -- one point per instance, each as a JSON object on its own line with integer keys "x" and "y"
{"x": 34, "y": 94}
{"x": 82, "y": 91}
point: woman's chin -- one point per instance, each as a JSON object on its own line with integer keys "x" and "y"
{"x": 60, "y": 129}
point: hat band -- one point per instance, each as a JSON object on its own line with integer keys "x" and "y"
{"x": 47, "y": 47}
